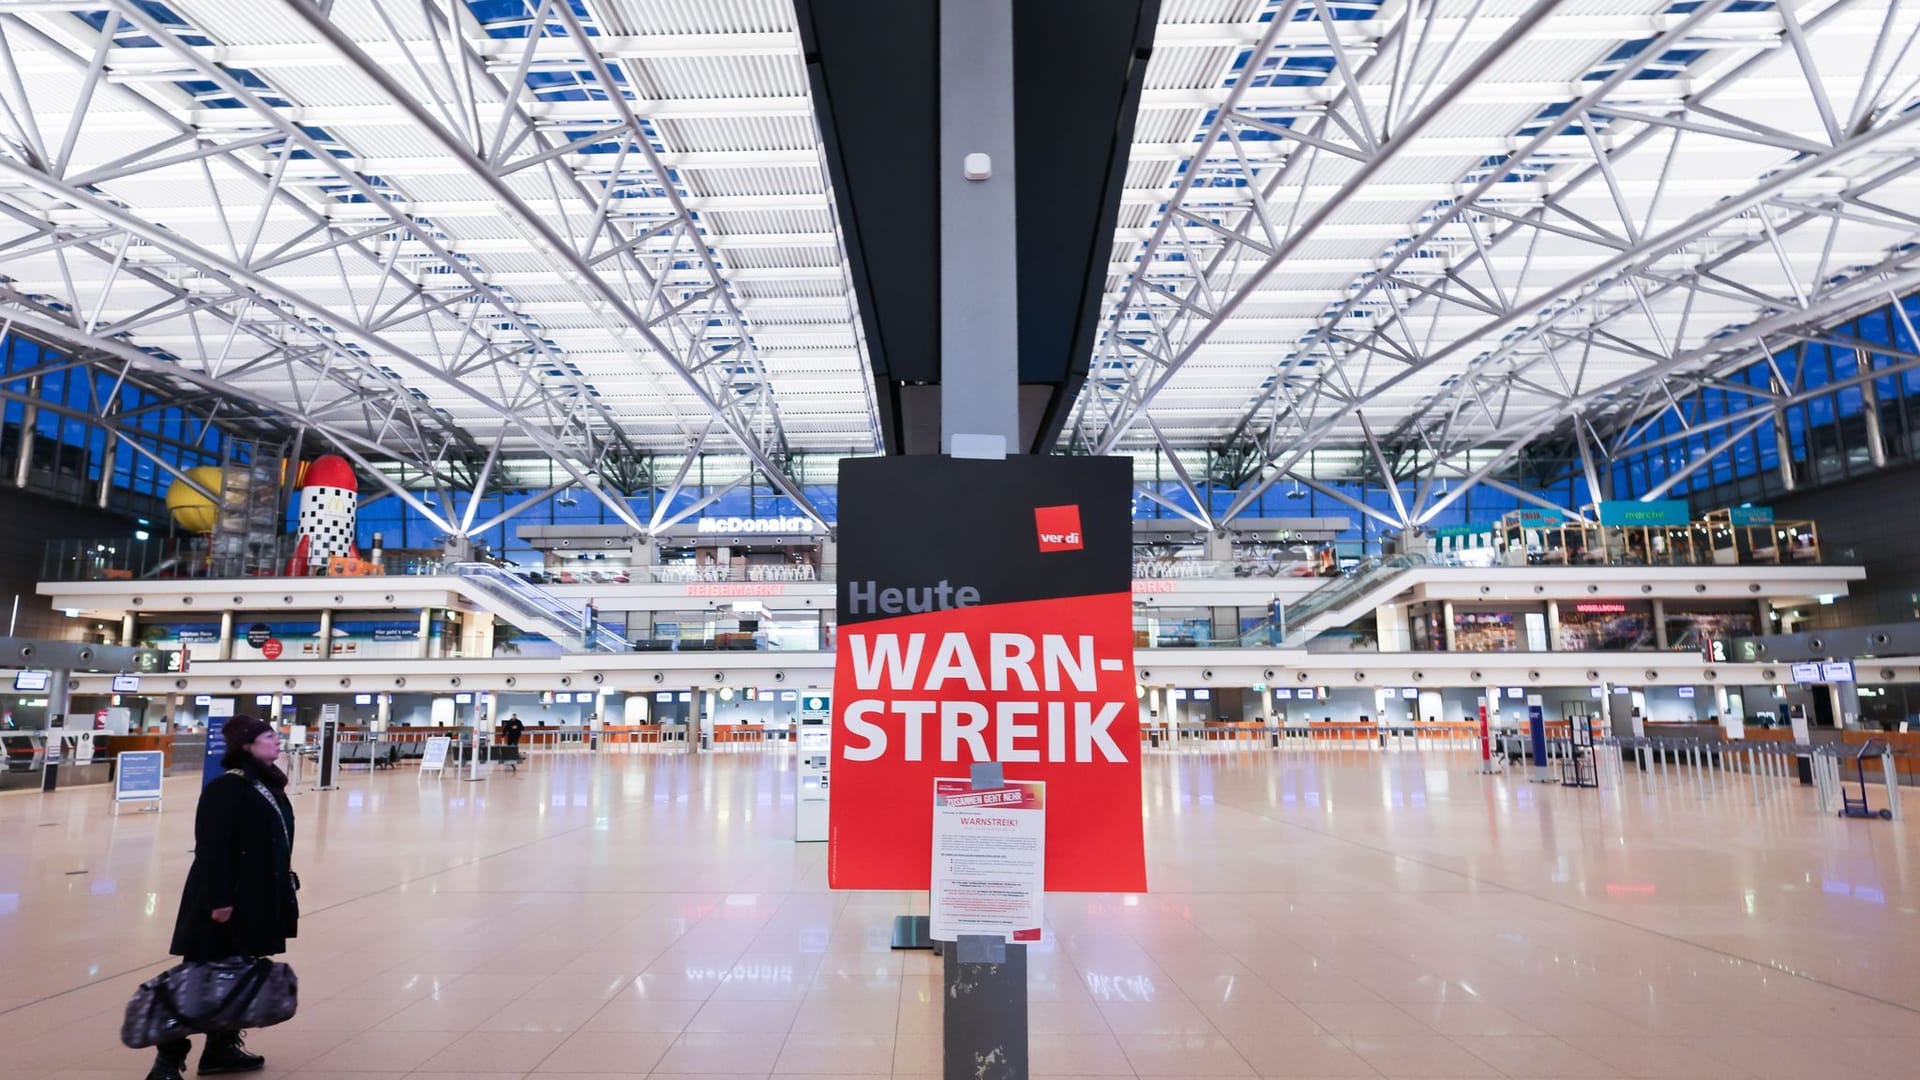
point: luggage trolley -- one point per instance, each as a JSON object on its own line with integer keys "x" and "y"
{"x": 1852, "y": 807}
{"x": 1578, "y": 768}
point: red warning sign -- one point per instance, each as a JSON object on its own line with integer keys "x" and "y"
{"x": 961, "y": 640}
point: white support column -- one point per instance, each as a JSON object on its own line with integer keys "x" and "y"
{"x": 1783, "y": 446}
{"x": 1660, "y": 625}
{"x": 1870, "y": 412}
{"x": 1846, "y": 704}
{"x": 1219, "y": 546}
{"x": 29, "y": 420}
{"x": 1432, "y": 704}
{"x": 1390, "y": 621}
{"x": 103, "y": 494}
{"x": 226, "y": 635}
{"x": 326, "y": 634}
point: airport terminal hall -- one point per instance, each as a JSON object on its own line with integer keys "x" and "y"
{"x": 959, "y": 539}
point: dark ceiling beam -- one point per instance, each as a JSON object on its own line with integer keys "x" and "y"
{"x": 874, "y": 67}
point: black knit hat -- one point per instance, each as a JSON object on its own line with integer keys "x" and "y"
{"x": 242, "y": 730}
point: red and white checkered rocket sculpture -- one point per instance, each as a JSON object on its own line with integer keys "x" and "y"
{"x": 329, "y": 499}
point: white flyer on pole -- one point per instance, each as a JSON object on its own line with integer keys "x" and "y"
{"x": 989, "y": 860}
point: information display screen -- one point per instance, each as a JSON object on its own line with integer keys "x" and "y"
{"x": 31, "y": 682}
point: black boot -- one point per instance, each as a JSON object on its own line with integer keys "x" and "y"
{"x": 170, "y": 1060}
{"x": 227, "y": 1053}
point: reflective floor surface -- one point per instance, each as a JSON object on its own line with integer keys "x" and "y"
{"x": 1311, "y": 916}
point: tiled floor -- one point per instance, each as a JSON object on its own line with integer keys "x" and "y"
{"x": 1382, "y": 915}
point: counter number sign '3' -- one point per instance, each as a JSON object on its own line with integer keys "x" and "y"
{"x": 985, "y": 614}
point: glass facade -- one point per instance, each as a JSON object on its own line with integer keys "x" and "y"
{"x": 72, "y": 446}
{"x": 1841, "y": 418}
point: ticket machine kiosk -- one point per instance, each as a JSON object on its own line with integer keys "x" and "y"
{"x": 815, "y": 732}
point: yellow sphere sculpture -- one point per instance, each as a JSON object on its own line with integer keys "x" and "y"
{"x": 191, "y": 510}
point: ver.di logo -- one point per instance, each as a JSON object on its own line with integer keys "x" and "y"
{"x": 1058, "y": 527}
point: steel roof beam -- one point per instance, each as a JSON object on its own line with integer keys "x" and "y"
{"x": 1146, "y": 385}
{"x": 558, "y": 247}
{"x": 382, "y": 199}
{"x": 1627, "y": 262}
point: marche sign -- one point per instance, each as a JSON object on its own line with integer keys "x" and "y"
{"x": 985, "y": 614}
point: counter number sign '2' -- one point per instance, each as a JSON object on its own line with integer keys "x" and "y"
{"x": 985, "y": 614}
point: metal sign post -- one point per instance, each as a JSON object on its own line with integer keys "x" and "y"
{"x": 56, "y": 731}
{"x": 1537, "y": 740}
{"x": 329, "y": 747}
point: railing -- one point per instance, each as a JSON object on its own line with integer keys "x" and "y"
{"x": 124, "y": 558}
{"x": 798, "y": 572}
{"x": 537, "y": 609}
{"x": 1178, "y": 569}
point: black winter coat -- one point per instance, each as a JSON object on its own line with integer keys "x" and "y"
{"x": 242, "y": 858}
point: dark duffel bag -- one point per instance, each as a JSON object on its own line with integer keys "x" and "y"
{"x": 225, "y": 995}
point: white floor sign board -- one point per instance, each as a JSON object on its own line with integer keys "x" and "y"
{"x": 435, "y": 756}
{"x": 989, "y": 860}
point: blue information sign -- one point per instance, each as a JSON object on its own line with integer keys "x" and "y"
{"x": 1750, "y": 515}
{"x": 137, "y": 775}
{"x": 216, "y": 749}
{"x": 1537, "y": 732}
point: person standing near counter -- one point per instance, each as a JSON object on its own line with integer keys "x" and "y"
{"x": 240, "y": 896}
{"x": 512, "y": 730}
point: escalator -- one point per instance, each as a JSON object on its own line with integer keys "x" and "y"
{"x": 534, "y": 609}
{"x": 1339, "y": 602}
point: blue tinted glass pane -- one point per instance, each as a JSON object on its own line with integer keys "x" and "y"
{"x": 1845, "y": 362}
{"x": 1852, "y": 401}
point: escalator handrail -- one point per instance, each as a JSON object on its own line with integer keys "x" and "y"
{"x": 542, "y": 603}
{"x": 1359, "y": 579}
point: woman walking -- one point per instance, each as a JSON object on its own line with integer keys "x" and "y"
{"x": 240, "y": 894}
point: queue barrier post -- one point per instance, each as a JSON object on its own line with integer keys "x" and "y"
{"x": 1891, "y": 778}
